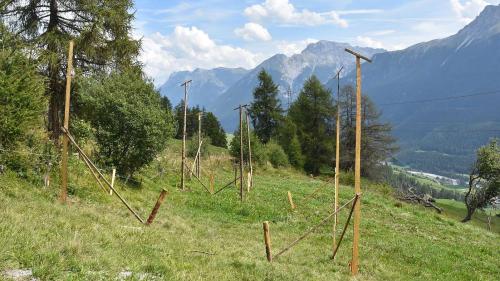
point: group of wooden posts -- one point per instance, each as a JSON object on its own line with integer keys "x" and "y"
{"x": 197, "y": 161}
{"x": 355, "y": 201}
{"x": 103, "y": 183}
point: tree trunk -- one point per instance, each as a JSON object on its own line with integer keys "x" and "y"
{"x": 470, "y": 212}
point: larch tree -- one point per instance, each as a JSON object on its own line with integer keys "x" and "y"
{"x": 265, "y": 109}
{"x": 313, "y": 113}
{"x": 377, "y": 143}
{"x": 101, "y": 31}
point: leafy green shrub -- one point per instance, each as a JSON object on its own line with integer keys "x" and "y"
{"x": 259, "y": 154}
{"x": 276, "y": 154}
{"x": 22, "y": 101}
{"x": 130, "y": 124}
{"x": 192, "y": 146}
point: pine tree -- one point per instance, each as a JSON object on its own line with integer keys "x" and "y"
{"x": 377, "y": 143}
{"x": 100, "y": 29}
{"x": 287, "y": 138}
{"x": 213, "y": 129}
{"x": 313, "y": 113}
{"x": 265, "y": 110}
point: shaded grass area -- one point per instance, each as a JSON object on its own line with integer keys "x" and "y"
{"x": 198, "y": 236}
{"x": 457, "y": 210}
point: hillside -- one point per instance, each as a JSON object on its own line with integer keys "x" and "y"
{"x": 440, "y": 135}
{"x": 198, "y": 236}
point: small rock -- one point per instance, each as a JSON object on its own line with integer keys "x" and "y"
{"x": 20, "y": 274}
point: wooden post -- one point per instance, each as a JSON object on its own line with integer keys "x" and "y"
{"x": 290, "y": 200}
{"x": 64, "y": 161}
{"x": 241, "y": 150}
{"x": 337, "y": 163}
{"x": 156, "y": 207}
{"x": 267, "y": 241}
{"x": 198, "y": 159}
{"x": 357, "y": 165}
{"x": 183, "y": 185}
{"x": 212, "y": 180}
{"x": 249, "y": 152}
{"x": 112, "y": 181}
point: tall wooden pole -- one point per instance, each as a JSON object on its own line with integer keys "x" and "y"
{"x": 198, "y": 159}
{"x": 337, "y": 164}
{"x": 357, "y": 165}
{"x": 183, "y": 186}
{"x": 249, "y": 151}
{"x": 241, "y": 153}
{"x": 64, "y": 163}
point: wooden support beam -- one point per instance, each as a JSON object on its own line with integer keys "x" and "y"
{"x": 198, "y": 158}
{"x": 92, "y": 166}
{"x": 357, "y": 164}
{"x": 354, "y": 203}
{"x": 64, "y": 161}
{"x": 160, "y": 200}
{"x": 267, "y": 241}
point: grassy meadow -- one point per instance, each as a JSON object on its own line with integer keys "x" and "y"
{"x": 199, "y": 236}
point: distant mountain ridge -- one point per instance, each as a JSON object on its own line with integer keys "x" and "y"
{"x": 220, "y": 94}
{"x": 440, "y": 135}
{"x": 207, "y": 84}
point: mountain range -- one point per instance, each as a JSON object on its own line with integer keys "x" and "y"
{"x": 416, "y": 89}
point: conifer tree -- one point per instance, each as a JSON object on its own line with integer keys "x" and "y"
{"x": 265, "y": 110}
{"x": 313, "y": 113}
{"x": 101, "y": 31}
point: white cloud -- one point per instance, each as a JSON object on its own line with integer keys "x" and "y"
{"x": 290, "y": 48}
{"x": 284, "y": 12}
{"x": 188, "y": 48}
{"x": 253, "y": 31}
{"x": 366, "y": 41}
{"x": 467, "y": 10}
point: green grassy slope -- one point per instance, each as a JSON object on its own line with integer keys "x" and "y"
{"x": 198, "y": 236}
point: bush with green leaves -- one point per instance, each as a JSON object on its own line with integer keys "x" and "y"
{"x": 192, "y": 145}
{"x": 130, "y": 125}
{"x": 259, "y": 155}
{"x": 276, "y": 154}
{"x": 22, "y": 101}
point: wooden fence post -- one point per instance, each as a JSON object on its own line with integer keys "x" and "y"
{"x": 112, "y": 181}
{"x": 290, "y": 200}
{"x": 267, "y": 241}
{"x": 156, "y": 207}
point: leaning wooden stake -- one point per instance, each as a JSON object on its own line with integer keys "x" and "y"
{"x": 156, "y": 207}
{"x": 94, "y": 168}
{"x": 290, "y": 200}
{"x": 357, "y": 164}
{"x": 337, "y": 162}
{"x": 356, "y": 199}
{"x": 267, "y": 241}
{"x": 183, "y": 184}
{"x": 64, "y": 161}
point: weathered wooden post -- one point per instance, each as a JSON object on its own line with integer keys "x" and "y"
{"x": 183, "y": 186}
{"x": 267, "y": 241}
{"x": 198, "y": 159}
{"x": 357, "y": 165}
{"x": 160, "y": 200}
{"x": 240, "y": 107}
{"x": 64, "y": 161}
{"x": 337, "y": 163}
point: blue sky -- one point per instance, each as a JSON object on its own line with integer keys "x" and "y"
{"x": 184, "y": 35}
